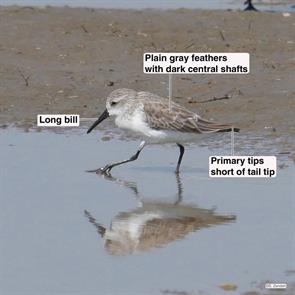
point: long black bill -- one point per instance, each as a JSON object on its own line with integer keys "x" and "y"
{"x": 102, "y": 117}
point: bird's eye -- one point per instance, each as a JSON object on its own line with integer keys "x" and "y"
{"x": 113, "y": 103}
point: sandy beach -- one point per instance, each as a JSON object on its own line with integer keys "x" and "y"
{"x": 66, "y": 60}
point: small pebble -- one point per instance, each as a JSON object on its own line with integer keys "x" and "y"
{"x": 286, "y": 14}
{"x": 106, "y": 138}
{"x": 228, "y": 287}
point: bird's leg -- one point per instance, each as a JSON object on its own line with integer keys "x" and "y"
{"x": 179, "y": 189}
{"x": 110, "y": 166}
{"x": 100, "y": 229}
{"x": 181, "y": 149}
{"x": 250, "y": 5}
{"x": 106, "y": 169}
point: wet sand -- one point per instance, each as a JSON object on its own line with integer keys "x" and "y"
{"x": 66, "y": 60}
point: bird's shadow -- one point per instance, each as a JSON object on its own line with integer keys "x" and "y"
{"x": 153, "y": 223}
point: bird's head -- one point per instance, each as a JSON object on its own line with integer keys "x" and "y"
{"x": 118, "y": 99}
{"x": 115, "y": 104}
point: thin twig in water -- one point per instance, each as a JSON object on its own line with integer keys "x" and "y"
{"x": 26, "y": 79}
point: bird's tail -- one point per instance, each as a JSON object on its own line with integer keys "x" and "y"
{"x": 209, "y": 126}
{"x": 230, "y": 129}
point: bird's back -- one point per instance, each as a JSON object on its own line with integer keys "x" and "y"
{"x": 159, "y": 115}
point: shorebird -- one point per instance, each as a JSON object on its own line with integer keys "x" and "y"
{"x": 155, "y": 120}
{"x": 250, "y": 6}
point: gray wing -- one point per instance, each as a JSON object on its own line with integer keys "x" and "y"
{"x": 178, "y": 118}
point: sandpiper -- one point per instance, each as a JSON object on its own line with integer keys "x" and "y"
{"x": 155, "y": 120}
{"x": 250, "y": 6}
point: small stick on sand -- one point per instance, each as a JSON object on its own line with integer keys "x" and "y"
{"x": 26, "y": 79}
{"x": 84, "y": 29}
{"x": 222, "y": 35}
{"x": 215, "y": 98}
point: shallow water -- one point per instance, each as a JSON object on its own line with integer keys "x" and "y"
{"x": 189, "y": 234}
{"x": 272, "y": 5}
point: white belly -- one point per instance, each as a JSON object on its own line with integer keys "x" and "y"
{"x": 137, "y": 125}
{"x": 168, "y": 136}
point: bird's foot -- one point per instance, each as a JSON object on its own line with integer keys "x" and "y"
{"x": 104, "y": 170}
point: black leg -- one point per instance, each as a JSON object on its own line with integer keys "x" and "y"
{"x": 179, "y": 189}
{"x": 100, "y": 229}
{"x": 181, "y": 149}
{"x": 106, "y": 169}
{"x": 250, "y": 6}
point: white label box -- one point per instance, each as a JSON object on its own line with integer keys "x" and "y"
{"x": 58, "y": 120}
{"x": 196, "y": 63}
{"x": 276, "y": 286}
{"x": 243, "y": 166}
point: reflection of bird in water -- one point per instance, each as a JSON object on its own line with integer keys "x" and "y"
{"x": 250, "y": 6}
{"x": 154, "y": 223}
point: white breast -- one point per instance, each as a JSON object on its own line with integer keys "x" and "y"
{"x": 136, "y": 123}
